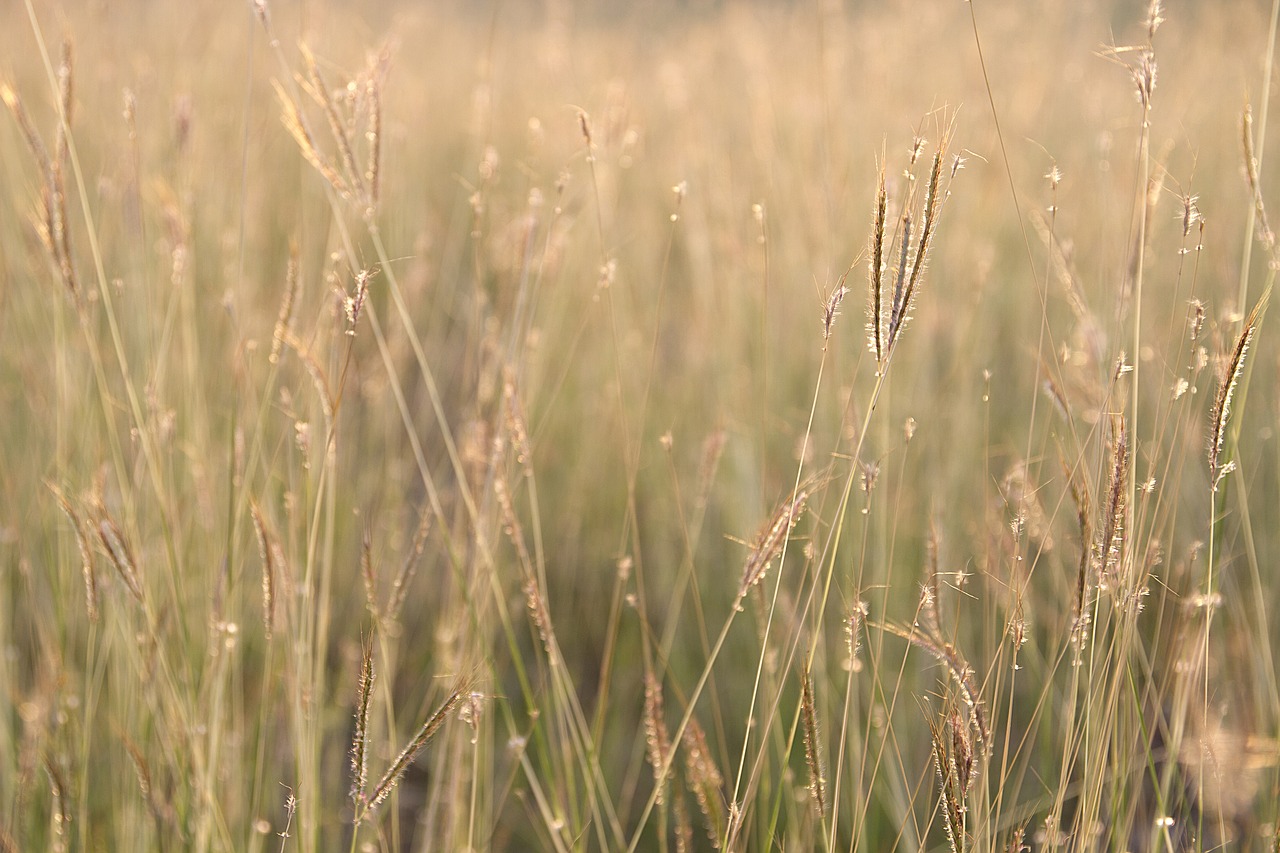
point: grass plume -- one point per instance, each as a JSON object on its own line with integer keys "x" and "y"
{"x": 1218, "y": 467}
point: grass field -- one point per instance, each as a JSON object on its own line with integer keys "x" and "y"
{"x": 679, "y": 426}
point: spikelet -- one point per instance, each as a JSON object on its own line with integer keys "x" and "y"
{"x": 899, "y": 280}
{"x": 269, "y": 551}
{"x": 61, "y": 154}
{"x": 657, "y": 737}
{"x": 1111, "y": 545}
{"x": 1083, "y": 503}
{"x": 875, "y": 272}
{"x": 1265, "y": 235}
{"x": 853, "y": 631}
{"x": 285, "y": 316}
{"x": 888, "y": 313}
{"x": 294, "y": 122}
{"x": 683, "y": 825}
{"x": 387, "y": 784}
{"x": 367, "y": 575}
{"x": 952, "y": 795}
{"x": 704, "y": 780}
{"x": 318, "y": 377}
{"x": 812, "y": 738}
{"x": 931, "y": 594}
{"x": 360, "y": 742}
{"x": 961, "y": 673}
{"x": 831, "y": 309}
{"x": 1226, "y": 393}
{"x": 769, "y": 541}
{"x": 118, "y": 551}
{"x": 86, "y": 554}
{"x": 400, "y": 586}
{"x": 52, "y": 225}
{"x": 373, "y": 136}
{"x": 62, "y": 809}
{"x": 929, "y": 213}
{"x": 709, "y": 463}
{"x": 534, "y": 599}
{"x": 336, "y": 126}
{"x": 162, "y": 812}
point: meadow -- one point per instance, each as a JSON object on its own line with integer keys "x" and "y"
{"x": 672, "y": 426}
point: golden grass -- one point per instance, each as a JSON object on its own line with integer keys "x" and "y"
{"x": 394, "y": 391}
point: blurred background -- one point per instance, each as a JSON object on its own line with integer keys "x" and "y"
{"x": 490, "y": 337}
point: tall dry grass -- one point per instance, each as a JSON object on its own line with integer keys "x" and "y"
{"x": 455, "y": 428}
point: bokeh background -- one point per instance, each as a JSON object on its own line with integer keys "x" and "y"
{"x": 588, "y": 367}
